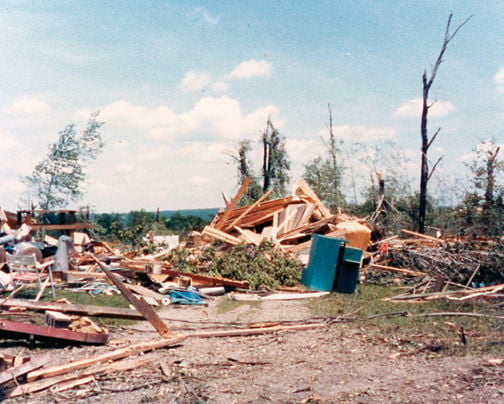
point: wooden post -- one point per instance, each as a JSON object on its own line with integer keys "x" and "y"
{"x": 142, "y": 307}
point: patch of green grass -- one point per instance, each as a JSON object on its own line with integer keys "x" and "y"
{"x": 99, "y": 299}
{"x": 402, "y": 320}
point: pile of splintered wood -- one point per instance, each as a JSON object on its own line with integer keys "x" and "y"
{"x": 441, "y": 268}
{"x": 288, "y": 222}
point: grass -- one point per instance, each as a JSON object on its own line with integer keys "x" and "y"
{"x": 484, "y": 334}
{"x": 82, "y": 298}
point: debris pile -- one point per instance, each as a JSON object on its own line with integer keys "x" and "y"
{"x": 288, "y": 222}
{"x": 453, "y": 268}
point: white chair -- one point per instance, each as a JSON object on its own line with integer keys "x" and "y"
{"x": 26, "y": 269}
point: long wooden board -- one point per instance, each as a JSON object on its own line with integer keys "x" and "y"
{"x": 80, "y": 309}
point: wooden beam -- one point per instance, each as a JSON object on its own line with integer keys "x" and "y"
{"x": 220, "y": 235}
{"x": 139, "y": 304}
{"x": 212, "y": 281}
{"x": 105, "y": 368}
{"x": 222, "y": 221}
{"x": 254, "y": 331}
{"x": 412, "y": 233}
{"x": 400, "y": 270}
{"x": 29, "y": 330}
{"x": 79, "y": 309}
{"x": 120, "y": 353}
{"x": 247, "y": 211}
{"x": 74, "y": 226}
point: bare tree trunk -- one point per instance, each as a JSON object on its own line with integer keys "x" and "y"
{"x": 425, "y": 173}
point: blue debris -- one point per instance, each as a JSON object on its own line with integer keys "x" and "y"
{"x": 185, "y": 297}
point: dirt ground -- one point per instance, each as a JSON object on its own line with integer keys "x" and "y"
{"x": 341, "y": 363}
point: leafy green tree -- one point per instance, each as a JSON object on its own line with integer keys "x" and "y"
{"x": 59, "y": 177}
{"x": 183, "y": 225}
{"x": 139, "y": 222}
{"x": 319, "y": 175}
{"x": 483, "y": 202}
{"x": 109, "y": 226}
{"x": 244, "y": 171}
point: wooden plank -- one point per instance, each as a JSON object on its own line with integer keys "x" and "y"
{"x": 306, "y": 193}
{"x": 400, "y": 270}
{"x": 74, "y": 226}
{"x": 412, "y": 233}
{"x": 250, "y": 236}
{"x": 255, "y": 205}
{"x": 254, "y": 331}
{"x": 285, "y": 221}
{"x": 213, "y": 281}
{"x": 72, "y": 383}
{"x": 34, "y": 363}
{"x": 139, "y": 304}
{"x": 120, "y": 353}
{"x": 105, "y": 368}
{"x": 220, "y": 224}
{"x": 29, "y": 330}
{"x": 141, "y": 290}
{"x": 220, "y": 235}
{"x": 80, "y": 309}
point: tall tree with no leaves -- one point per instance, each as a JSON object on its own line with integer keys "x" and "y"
{"x": 324, "y": 174}
{"x": 60, "y": 175}
{"x": 276, "y": 164}
{"x": 425, "y": 171}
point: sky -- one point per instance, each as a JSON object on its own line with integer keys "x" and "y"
{"x": 180, "y": 83}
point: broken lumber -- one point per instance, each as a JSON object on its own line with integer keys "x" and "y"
{"x": 15, "y": 372}
{"x": 105, "y": 368}
{"x": 29, "y": 330}
{"x": 139, "y": 304}
{"x": 425, "y": 236}
{"x": 220, "y": 235}
{"x": 222, "y": 221}
{"x": 207, "y": 280}
{"x": 120, "y": 353}
{"x": 400, "y": 270}
{"x": 236, "y": 221}
{"x": 254, "y": 331}
{"x": 78, "y": 309}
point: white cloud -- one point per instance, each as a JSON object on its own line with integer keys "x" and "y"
{"x": 223, "y": 117}
{"x": 204, "y": 152}
{"x": 216, "y": 117}
{"x": 28, "y": 106}
{"x": 304, "y": 150}
{"x": 499, "y": 80}
{"x": 360, "y": 133}
{"x": 195, "y": 81}
{"x": 250, "y": 69}
{"x": 413, "y": 108}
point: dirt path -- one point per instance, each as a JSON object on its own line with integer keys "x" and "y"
{"x": 336, "y": 364}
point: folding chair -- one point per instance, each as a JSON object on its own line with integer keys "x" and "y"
{"x": 26, "y": 269}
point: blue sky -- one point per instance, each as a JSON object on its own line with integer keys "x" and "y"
{"x": 178, "y": 84}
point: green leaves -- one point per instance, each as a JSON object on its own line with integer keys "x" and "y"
{"x": 60, "y": 175}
